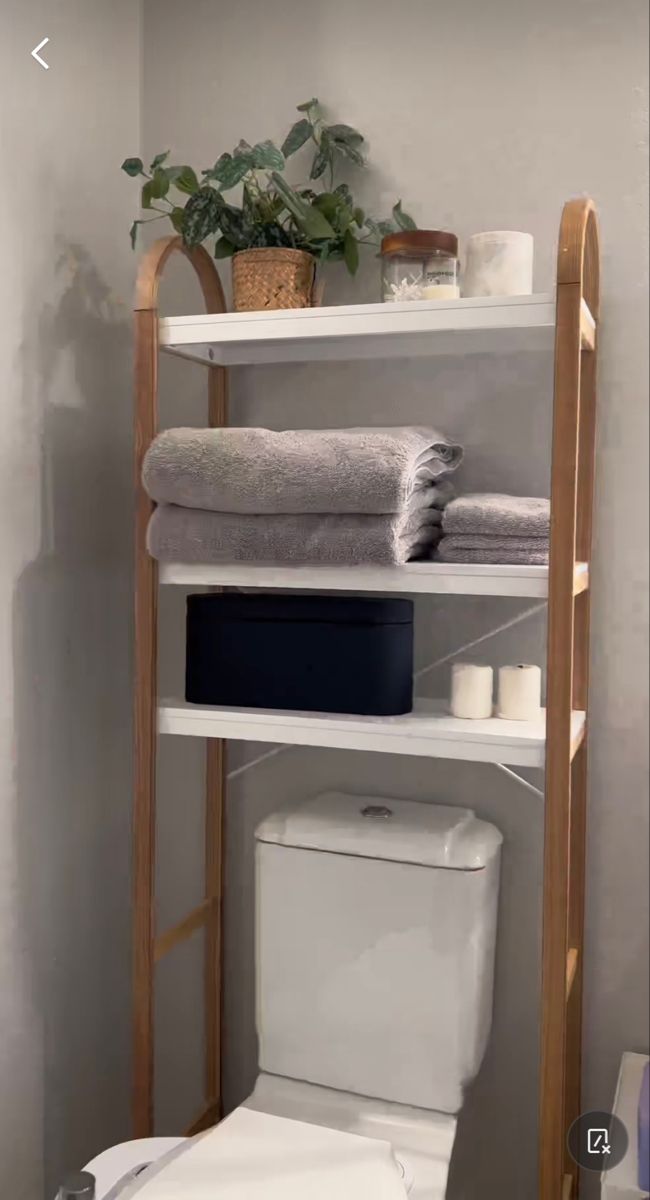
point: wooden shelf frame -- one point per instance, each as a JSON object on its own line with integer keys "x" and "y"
{"x": 572, "y": 485}
{"x": 148, "y": 947}
{"x": 576, "y": 330}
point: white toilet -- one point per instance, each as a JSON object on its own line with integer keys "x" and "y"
{"x": 376, "y": 930}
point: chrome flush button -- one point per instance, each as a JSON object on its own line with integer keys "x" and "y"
{"x": 377, "y": 810}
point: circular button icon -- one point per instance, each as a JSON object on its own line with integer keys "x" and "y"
{"x": 597, "y": 1141}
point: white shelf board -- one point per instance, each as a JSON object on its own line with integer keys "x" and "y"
{"x": 402, "y": 330}
{"x": 457, "y": 579}
{"x": 427, "y": 732}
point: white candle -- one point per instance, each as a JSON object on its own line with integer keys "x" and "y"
{"x": 472, "y": 686}
{"x": 441, "y": 291}
{"x": 520, "y": 692}
{"x": 499, "y": 264}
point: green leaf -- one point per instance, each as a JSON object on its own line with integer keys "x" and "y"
{"x": 323, "y": 158}
{"x": 213, "y": 172}
{"x": 351, "y": 252}
{"x": 296, "y": 137}
{"x": 133, "y": 166}
{"x": 308, "y": 219}
{"x": 350, "y": 152}
{"x": 133, "y": 233}
{"x": 359, "y": 216}
{"x": 223, "y": 248}
{"x": 344, "y": 192}
{"x": 231, "y": 170}
{"x": 309, "y": 104}
{"x": 233, "y": 226}
{"x": 159, "y": 184}
{"x": 345, "y": 133}
{"x": 402, "y": 219}
{"x": 320, "y": 164}
{"x": 202, "y": 215}
{"x": 267, "y": 157}
{"x": 329, "y": 204}
{"x": 243, "y": 149}
{"x": 177, "y": 218}
{"x": 159, "y": 160}
{"x": 186, "y": 181}
{"x": 147, "y": 194}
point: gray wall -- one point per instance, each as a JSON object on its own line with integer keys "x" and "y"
{"x": 479, "y": 116}
{"x": 65, "y": 607}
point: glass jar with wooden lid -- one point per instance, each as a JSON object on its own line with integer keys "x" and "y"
{"x": 420, "y": 264}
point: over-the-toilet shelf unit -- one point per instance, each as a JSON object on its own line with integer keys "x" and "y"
{"x": 566, "y": 322}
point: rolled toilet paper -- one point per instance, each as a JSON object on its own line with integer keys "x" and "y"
{"x": 520, "y": 692}
{"x": 472, "y": 686}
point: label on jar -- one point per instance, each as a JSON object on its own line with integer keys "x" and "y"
{"x": 440, "y": 271}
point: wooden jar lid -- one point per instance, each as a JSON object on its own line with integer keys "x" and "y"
{"x": 418, "y": 242}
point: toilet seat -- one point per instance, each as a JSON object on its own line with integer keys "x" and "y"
{"x": 255, "y": 1156}
{"x": 422, "y": 1141}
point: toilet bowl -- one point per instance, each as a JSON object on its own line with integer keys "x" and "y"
{"x": 375, "y": 941}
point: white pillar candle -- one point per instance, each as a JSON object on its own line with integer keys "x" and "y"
{"x": 471, "y": 691}
{"x": 499, "y": 264}
{"x": 520, "y": 692}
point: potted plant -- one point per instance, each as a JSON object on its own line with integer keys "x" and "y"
{"x": 275, "y": 232}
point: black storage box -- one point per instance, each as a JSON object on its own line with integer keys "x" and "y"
{"x": 319, "y": 653}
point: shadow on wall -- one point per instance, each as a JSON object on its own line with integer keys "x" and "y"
{"x": 71, "y": 638}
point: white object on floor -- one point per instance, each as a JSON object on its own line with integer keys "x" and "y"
{"x": 254, "y": 1156}
{"x": 520, "y": 692}
{"x": 472, "y": 687}
{"x": 621, "y": 1182}
{"x": 499, "y": 263}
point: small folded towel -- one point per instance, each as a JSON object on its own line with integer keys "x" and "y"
{"x": 483, "y": 549}
{"x": 297, "y": 471}
{"x": 192, "y": 535}
{"x": 505, "y": 516}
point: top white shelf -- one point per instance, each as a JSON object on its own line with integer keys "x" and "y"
{"x": 359, "y": 331}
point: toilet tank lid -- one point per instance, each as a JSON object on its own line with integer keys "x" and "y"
{"x": 410, "y": 831}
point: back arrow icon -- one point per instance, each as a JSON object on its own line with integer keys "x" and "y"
{"x": 37, "y": 56}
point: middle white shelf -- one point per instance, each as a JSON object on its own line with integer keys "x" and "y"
{"x": 428, "y": 731}
{"x": 458, "y": 579}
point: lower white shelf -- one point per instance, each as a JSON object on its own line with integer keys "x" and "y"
{"x": 427, "y": 732}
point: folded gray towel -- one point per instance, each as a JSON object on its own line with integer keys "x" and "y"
{"x": 484, "y": 549}
{"x": 506, "y": 516}
{"x": 192, "y": 535}
{"x": 299, "y": 470}
{"x": 483, "y": 541}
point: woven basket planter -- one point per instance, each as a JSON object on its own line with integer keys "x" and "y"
{"x": 269, "y": 278}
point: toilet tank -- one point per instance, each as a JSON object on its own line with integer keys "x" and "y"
{"x": 375, "y": 933}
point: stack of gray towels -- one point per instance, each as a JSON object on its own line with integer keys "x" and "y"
{"x": 491, "y": 528}
{"x": 335, "y": 496}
